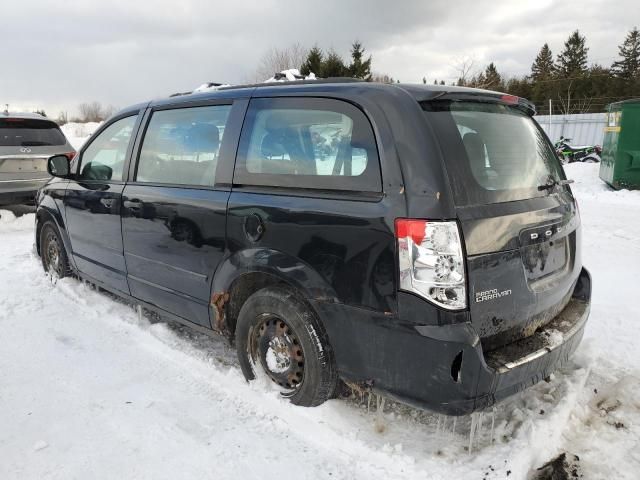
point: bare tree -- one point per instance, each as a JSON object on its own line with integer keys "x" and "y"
{"x": 63, "y": 118}
{"x": 382, "y": 78}
{"x": 90, "y": 112}
{"x": 94, "y": 112}
{"x": 108, "y": 111}
{"x": 278, "y": 59}
{"x": 569, "y": 104}
{"x": 464, "y": 68}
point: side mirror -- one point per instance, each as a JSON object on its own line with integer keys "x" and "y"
{"x": 58, "y": 166}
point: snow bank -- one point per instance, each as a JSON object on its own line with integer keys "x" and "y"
{"x": 77, "y": 133}
{"x": 88, "y": 389}
{"x": 589, "y": 187}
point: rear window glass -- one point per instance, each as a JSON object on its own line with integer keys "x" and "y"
{"x": 493, "y": 153}
{"x": 18, "y": 132}
{"x": 308, "y": 143}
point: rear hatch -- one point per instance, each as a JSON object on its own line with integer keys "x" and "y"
{"x": 25, "y": 145}
{"x": 520, "y": 225}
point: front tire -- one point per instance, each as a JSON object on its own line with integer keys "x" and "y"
{"x": 279, "y": 336}
{"x": 52, "y": 253}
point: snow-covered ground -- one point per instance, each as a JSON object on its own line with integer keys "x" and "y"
{"x": 78, "y": 133}
{"x": 88, "y": 389}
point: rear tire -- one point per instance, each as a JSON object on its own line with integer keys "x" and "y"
{"x": 279, "y": 336}
{"x": 52, "y": 253}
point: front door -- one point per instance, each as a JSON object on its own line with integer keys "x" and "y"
{"x": 174, "y": 215}
{"x": 92, "y": 205}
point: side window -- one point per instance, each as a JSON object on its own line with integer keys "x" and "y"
{"x": 307, "y": 143}
{"x": 181, "y": 146}
{"x": 104, "y": 158}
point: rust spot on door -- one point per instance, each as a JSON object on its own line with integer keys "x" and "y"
{"x": 218, "y": 301}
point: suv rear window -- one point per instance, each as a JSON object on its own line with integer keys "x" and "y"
{"x": 493, "y": 152}
{"x": 22, "y": 132}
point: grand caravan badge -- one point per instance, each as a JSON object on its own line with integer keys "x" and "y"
{"x": 491, "y": 294}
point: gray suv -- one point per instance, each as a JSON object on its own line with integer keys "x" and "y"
{"x": 26, "y": 141}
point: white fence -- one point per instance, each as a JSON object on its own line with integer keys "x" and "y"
{"x": 581, "y": 128}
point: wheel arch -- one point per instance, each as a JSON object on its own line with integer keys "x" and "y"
{"x": 46, "y": 213}
{"x": 247, "y": 271}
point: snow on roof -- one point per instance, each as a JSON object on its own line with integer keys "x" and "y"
{"x": 289, "y": 75}
{"x": 208, "y": 86}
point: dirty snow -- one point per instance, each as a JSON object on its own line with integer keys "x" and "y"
{"x": 90, "y": 389}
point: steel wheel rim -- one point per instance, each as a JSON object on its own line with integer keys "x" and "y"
{"x": 52, "y": 252}
{"x": 275, "y": 348}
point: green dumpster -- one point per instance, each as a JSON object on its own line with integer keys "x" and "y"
{"x": 620, "y": 162}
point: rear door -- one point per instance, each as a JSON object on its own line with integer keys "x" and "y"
{"x": 520, "y": 230}
{"x": 307, "y": 197}
{"x": 92, "y": 203}
{"x": 174, "y": 206}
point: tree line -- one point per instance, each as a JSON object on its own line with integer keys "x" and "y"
{"x": 568, "y": 80}
{"x": 323, "y": 64}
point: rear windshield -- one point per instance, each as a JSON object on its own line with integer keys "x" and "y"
{"x": 19, "y": 132}
{"x": 493, "y": 153}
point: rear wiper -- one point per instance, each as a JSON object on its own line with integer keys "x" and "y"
{"x": 552, "y": 183}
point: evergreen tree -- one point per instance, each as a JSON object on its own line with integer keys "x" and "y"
{"x": 333, "y": 66}
{"x": 520, "y": 87}
{"x": 628, "y": 66}
{"x": 572, "y": 61}
{"x": 424, "y": 80}
{"x": 492, "y": 79}
{"x": 359, "y": 68}
{"x": 543, "y": 66}
{"x": 313, "y": 62}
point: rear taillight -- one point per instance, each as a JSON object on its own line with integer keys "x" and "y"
{"x": 431, "y": 261}
{"x": 70, "y": 155}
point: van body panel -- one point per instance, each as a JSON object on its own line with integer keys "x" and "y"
{"x": 338, "y": 248}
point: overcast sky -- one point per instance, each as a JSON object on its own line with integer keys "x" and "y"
{"x": 57, "y": 54}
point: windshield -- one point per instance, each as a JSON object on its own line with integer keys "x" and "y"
{"x": 493, "y": 152}
{"x": 20, "y": 132}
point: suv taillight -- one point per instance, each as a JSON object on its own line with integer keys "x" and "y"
{"x": 70, "y": 155}
{"x": 431, "y": 261}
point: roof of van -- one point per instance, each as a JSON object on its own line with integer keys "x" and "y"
{"x": 420, "y": 92}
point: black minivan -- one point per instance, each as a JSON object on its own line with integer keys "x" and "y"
{"x": 420, "y": 242}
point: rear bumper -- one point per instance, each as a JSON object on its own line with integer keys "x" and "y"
{"x": 443, "y": 368}
{"x": 20, "y": 191}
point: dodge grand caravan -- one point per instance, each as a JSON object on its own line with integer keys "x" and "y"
{"x": 418, "y": 241}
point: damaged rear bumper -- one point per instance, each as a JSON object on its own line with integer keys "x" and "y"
{"x": 443, "y": 368}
